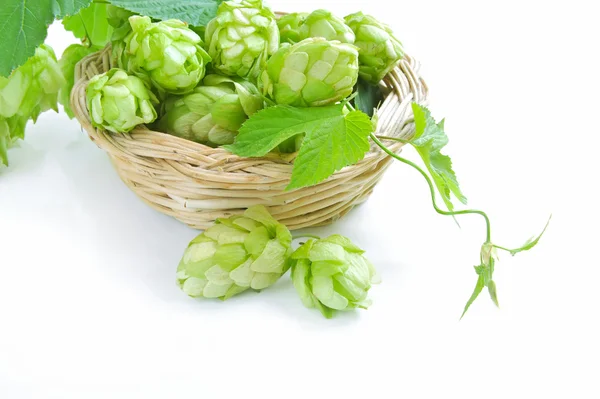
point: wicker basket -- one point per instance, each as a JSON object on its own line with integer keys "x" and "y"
{"x": 197, "y": 184}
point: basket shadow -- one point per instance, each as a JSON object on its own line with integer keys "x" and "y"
{"x": 141, "y": 245}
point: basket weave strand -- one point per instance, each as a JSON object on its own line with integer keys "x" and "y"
{"x": 197, "y": 184}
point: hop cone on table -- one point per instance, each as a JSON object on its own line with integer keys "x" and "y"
{"x": 313, "y": 72}
{"x": 322, "y": 23}
{"x": 379, "y": 52}
{"x": 289, "y": 27}
{"x": 237, "y": 253}
{"x": 332, "y": 274}
{"x": 168, "y": 52}
{"x": 214, "y": 112}
{"x": 241, "y": 38}
{"x": 119, "y": 102}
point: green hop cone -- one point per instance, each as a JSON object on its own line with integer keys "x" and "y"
{"x": 71, "y": 56}
{"x": 119, "y": 102}
{"x": 30, "y": 90}
{"x": 380, "y": 51}
{"x": 289, "y": 27}
{"x": 311, "y": 73}
{"x": 214, "y": 112}
{"x": 332, "y": 274}
{"x": 237, "y": 253}
{"x": 168, "y": 52}
{"x": 322, "y": 23}
{"x": 241, "y": 38}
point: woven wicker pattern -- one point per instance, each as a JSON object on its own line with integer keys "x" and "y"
{"x": 197, "y": 184}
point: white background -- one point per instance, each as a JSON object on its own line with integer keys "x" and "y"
{"x": 89, "y": 307}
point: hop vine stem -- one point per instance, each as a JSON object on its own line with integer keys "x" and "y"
{"x": 300, "y": 236}
{"x": 432, "y": 189}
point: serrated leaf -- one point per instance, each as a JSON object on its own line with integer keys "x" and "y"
{"x": 478, "y": 288}
{"x": 194, "y": 12}
{"x": 428, "y": 140}
{"x": 90, "y": 25}
{"x": 532, "y": 242}
{"x": 368, "y": 97}
{"x": 333, "y": 139}
{"x": 24, "y": 27}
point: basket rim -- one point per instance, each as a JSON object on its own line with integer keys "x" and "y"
{"x": 103, "y": 138}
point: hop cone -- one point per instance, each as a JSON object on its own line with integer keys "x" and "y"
{"x": 167, "y": 51}
{"x": 289, "y": 27}
{"x": 33, "y": 87}
{"x": 30, "y": 90}
{"x": 332, "y": 274}
{"x": 213, "y": 113}
{"x": 119, "y": 102}
{"x": 241, "y": 38}
{"x": 237, "y": 253}
{"x": 322, "y": 23}
{"x": 380, "y": 51}
{"x": 313, "y": 72}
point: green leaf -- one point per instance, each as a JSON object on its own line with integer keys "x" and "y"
{"x": 24, "y": 27}
{"x": 478, "y": 288}
{"x": 532, "y": 242}
{"x": 368, "y": 97}
{"x": 194, "y": 12}
{"x": 428, "y": 140}
{"x": 334, "y": 139}
{"x": 90, "y": 25}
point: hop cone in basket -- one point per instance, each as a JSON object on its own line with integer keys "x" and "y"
{"x": 168, "y": 51}
{"x": 322, "y": 23}
{"x": 119, "y": 102}
{"x": 313, "y": 72}
{"x": 332, "y": 274}
{"x": 213, "y": 113}
{"x": 289, "y": 27}
{"x": 380, "y": 51}
{"x": 241, "y": 38}
{"x": 237, "y": 253}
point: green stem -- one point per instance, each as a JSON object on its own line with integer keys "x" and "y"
{"x": 87, "y": 34}
{"x": 306, "y": 236}
{"x": 432, "y": 189}
{"x": 394, "y": 139}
